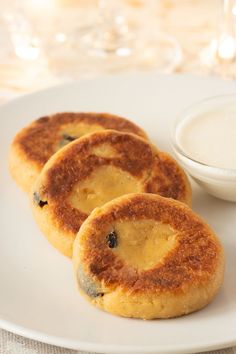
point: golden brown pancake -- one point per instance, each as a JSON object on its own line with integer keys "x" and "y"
{"x": 95, "y": 169}
{"x": 35, "y": 144}
{"x": 145, "y": 256}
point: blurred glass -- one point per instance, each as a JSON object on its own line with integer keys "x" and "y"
{"x": 111, "y": 34}
{"x": 220, "y": 55}
{"x": 78, "y": 38}
{"x": 135, "y": 34}
{"x": 19, "y": 29}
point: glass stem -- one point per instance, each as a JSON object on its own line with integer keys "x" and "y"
{"x": 226, "y": 47}
{"x": 227, "y": 25}
{"x": 108, "y": 13}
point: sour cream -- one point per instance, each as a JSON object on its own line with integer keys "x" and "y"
{"x": 204, "y": 142}
{"x": 209, "y": 137}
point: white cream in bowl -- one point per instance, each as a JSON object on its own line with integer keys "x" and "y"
{"x": 204, "y": 141}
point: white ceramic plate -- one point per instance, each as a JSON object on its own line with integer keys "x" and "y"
{"x": 38, "y": 295}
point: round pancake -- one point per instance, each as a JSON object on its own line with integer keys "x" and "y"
{"x": 145, "y": 256}
{"x": 95, "y": 169}
{"x": 35, "y": 144}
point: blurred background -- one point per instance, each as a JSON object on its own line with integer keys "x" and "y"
{"x": 44, "y": 42}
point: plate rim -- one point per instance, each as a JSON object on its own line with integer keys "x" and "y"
{"x": 110, "y": 348}
{"x": 128, "y": 75}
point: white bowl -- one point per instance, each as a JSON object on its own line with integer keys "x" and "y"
{"x": 217, "y": 181}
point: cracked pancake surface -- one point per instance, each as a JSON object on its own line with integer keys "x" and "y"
{"x": 145, "y": 256}
{"x": 94, "y": 170}
{"x": 36, "y": 143}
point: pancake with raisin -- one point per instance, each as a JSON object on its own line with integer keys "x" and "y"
{"x": 95, "y": 169}
{"x": 145, "y": 256}
{"x": 35, "y": 144}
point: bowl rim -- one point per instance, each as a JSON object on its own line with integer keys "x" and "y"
{"x": 212, "y": 170}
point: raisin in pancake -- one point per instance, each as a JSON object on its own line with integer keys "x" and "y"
{"x": 95, "y": 169}
{"x": 36, "y": 143}
{"x": 145, "y": 256}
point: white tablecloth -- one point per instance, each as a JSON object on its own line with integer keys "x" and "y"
{"x": 14, "y": 344}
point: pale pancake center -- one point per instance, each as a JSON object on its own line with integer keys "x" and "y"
{"x": 105, "y": 150}
{"x": 104, "y": 184}
{"x": 143, "y": 244}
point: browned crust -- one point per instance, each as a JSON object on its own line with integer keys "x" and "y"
{"x": 76, "y": 161}
{"x": 39, "y": 140}
{"x": 194, "y": 260}
{"x": 168, "y": 179}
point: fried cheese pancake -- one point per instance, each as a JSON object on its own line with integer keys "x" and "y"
{"x": 145, "y": 256}
{"x": 35, "y": 144}
{"x": 95, "y": 169}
